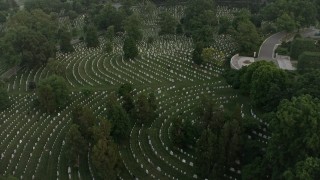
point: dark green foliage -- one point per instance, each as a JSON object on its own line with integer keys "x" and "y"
{"x": 167, "y": 24}
{"x": 268, "y": 87}
{"x": 75, "y": 144}
{"x": 308, "y": 83}
{"x": 200, "y": 20}
{"x": 108, "y": 47}
{"x": 105, "y": 159}
{"x": 124, "y": 89}
{"x": 104, "y": 155}
{"x": 130, "y": 48}
{"x": 110, "y": 33}
{"x": 119, "y": 119}
{"x": 196, "y": 54}
{"x": 3, "y": 17}
{"x": 108, "y": 17}
{"x": 300, "y": 45}
{"x": 183, "y": 133}
{"x": 179, "y": 29}
{"x": 65, "y": 42}
{"x": 85, "y": 119}
{"x": 309, "y": 61}
{"x": 132, "y": 26}
{"x": 302, "y": 17}
{"x": 145, "y": 109}
{"x": 246, "y": 34}
{"x": 220, "y": 143}
{"x": 4, "y": 99}
{"x": 295, "y": 139}
{"x": 91, "y": 37}
{"x": 53, "y": 93}
{"x": 246, "y": 75}
{"x": 29, "y": 40}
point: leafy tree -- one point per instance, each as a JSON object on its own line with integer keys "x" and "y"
{"x": 85, "y": 119}
{"x": 300, "y": 45}
{"x": 269, "y": 86}
{"x": 286, "y": 23}
{"x": 167, "y": 24}
{"x": 56, "y": 67}
{"x": 210, "y": 55}
{"x": 110, "y": 33}
{"x": 109, "y": 16}
{"x": 308, "y": 83}
{"x": 142, "y": 109}
{"x": 91, "y": 37}
{"x": 196, "y": 54}
{"x": 247, "y": 36}
{"x": 105, "y": 159}
{"x": 65, "y": 42}
{"x": 119, "y": 118}
{"x": 183, "y": 133}
{"x": 130, "y": 48}
{"x": 179, "y": 29}
{"x": 200, "y": 19}
{"x": 108, "y": 47}
{"x": 53, "y": 93}
{"x": 4, "y": 99}
{"x": 132, "y": 26}
{"x": 75, "y": 144}
{"x": 124, "y": 89}
{"x": 246, "y": 75}
{"x": 101, "y": 131}
{"x": 295, "y": 138}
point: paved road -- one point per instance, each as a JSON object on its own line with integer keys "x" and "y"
{"x": 268, "y": 46}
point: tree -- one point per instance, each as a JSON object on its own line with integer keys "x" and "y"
{"x": 247, "y": 36}
{"x": 196, "y": 54}
{"x": 295, "y": 138}
{"x": 167, "y": 24}
{"x": 65, "y": 42}
{"x": 119, "y": 118}
{"x": 132, "y": 26}
{"x": 105, "y": 159}
{"x": 75, "y": 144}
{"x": 286, "y": 23}
{"x": 200, "y": 19}
{"x": 56, "y": 67}
{"x": 308, "y": 84}
{"x": 110, "y": 33}
{"x": 4, "y": 99}
{"x": 130, "y": 48}
{"x": 108, "y": 47}
{"x": 212, "y": 55}
{"x": 269, "y": 86}
{"x": 246, "y": 75}
{"x": 91, "y": 37}
{"x": 53, "y": 93}
{"x": 142, "y": 109}
{"x": 85, "y": 119}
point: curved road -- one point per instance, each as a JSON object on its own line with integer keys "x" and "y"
{"x": 267, "y": 48}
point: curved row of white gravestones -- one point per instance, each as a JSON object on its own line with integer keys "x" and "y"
{"x": 50, "y": 141}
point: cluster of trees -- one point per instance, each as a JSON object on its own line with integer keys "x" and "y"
{"x": 263, "y": 82}
{"x": 217, "y": 137}
{"x": 53, "y": 93}
{"x": 90, "y": 134}
{"x": 143, "y": 109}
{"x": 30, "y": 39}
{"x": 289, "y": 16}
{"x": 291, "y": 152}
{"x": 220, "y": 142}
